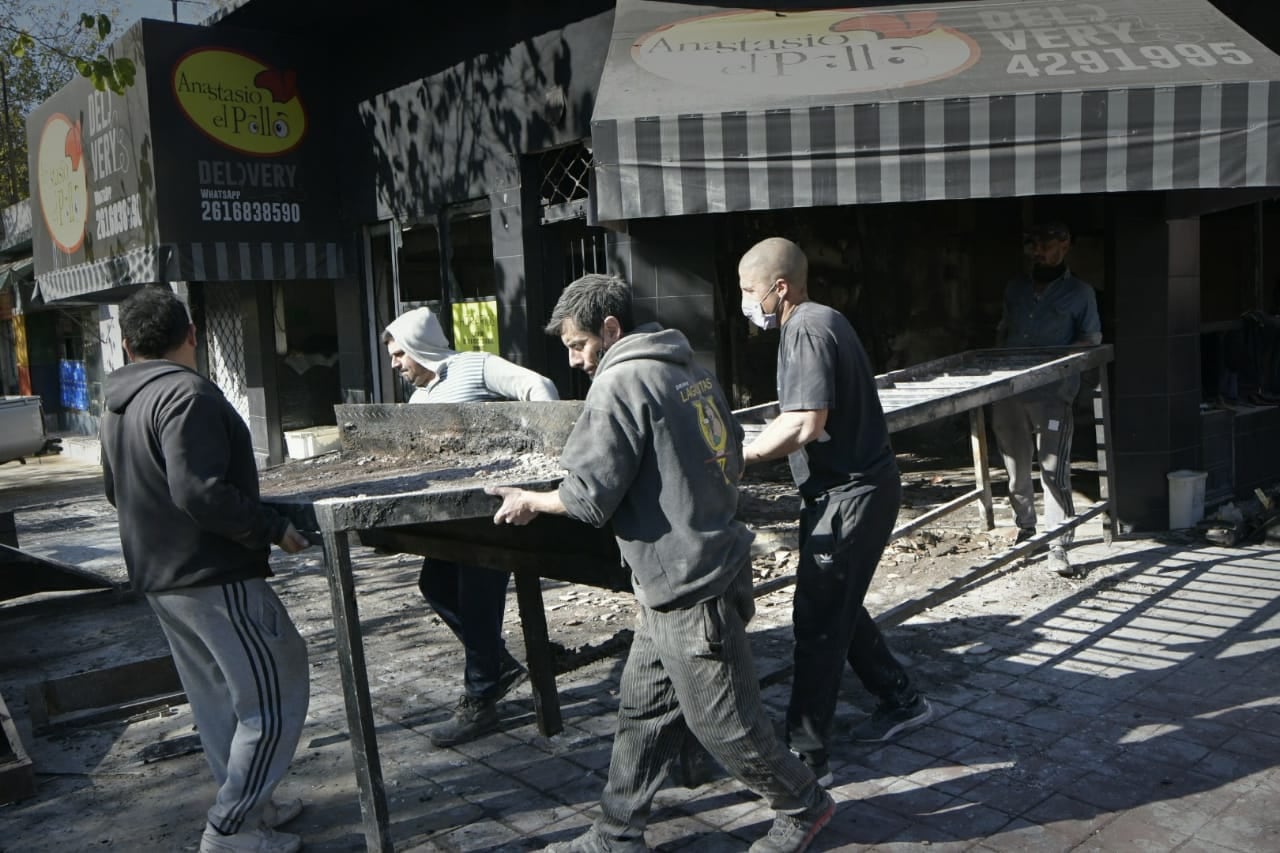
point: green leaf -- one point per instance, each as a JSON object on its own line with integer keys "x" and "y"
{"x": 85, "y": 67}
{"x": 20, "y": 45}
{"x": 88, "y": 21}
{"x": 104, "y": 27}
{"x": 125, "y": 71}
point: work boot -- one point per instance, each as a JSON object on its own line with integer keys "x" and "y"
{"x": 592, "y": 841}
{"x": 257, "y": 840}
{"x": 471, "y": 718}
{"x": 279, "y": 813}
{"x": 792, "y": 833}
{"x": 889, "y": 721}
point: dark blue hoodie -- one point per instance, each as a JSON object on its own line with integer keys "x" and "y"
{"x": 178, "y": 465}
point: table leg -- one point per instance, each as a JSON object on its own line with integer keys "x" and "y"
{"x": 542, "y": 672}
{"x": 981, "y": 465}
{"x": 355, "y": 689}
{"x": 1106, "y": 455}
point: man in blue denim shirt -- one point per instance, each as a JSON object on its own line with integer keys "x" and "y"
{"x": 1047, "y": 307}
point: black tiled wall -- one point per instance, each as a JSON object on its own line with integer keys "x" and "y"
{"x": 1156, "y": 416}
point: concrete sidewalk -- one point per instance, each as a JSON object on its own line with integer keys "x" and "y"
{"x": 1137, "y": 710}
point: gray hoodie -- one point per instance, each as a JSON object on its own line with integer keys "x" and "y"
{"x": 657, "y": 451}
{"x": 177, "y": 463}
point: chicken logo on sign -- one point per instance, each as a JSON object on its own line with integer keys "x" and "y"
{"x": 828, "y": 51}
{"x": 62, "y": 183}
{"x": 239, "y": 101}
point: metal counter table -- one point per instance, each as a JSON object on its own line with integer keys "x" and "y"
{"x": 427, "y": 497}
{"x": 444, "y": 513}
{"x": 967, "y": 382}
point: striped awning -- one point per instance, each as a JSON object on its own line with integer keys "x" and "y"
{"x": 259, "y": 261}
{"x": 95, "y": 279}
{"x": 212, "y": 262}
{"x": 707, "y": 109}
{"x": 15, "y": 272}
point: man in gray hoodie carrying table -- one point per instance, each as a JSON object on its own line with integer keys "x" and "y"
{"x": 657, "y": 452}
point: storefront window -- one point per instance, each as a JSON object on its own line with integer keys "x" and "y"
{"x": 471, "y": 254}
{"x": 420, "y": 269}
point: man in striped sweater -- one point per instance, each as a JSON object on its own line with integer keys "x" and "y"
{"x": 469, "y": 599}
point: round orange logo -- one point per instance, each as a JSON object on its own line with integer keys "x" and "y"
{"x": 61, "y": 179}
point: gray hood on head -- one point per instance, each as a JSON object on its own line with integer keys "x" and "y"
{"x": 648, "y": 341}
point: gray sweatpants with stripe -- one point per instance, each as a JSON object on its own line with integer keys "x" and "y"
{"x": 243, "y": 665}
{"x": 1044, "y": 427}
{"x": 694, "y": 667}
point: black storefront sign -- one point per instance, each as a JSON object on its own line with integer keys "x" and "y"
{"x": 214, "y": 166}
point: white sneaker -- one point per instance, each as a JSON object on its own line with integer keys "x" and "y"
{"x": 279, "y": 813}
{"x": 259, "y": 840}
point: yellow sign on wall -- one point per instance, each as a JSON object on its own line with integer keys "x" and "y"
{"x": 475, "y": 325}
{"x": 239, "y": 101}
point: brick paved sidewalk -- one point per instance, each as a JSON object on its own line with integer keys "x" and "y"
{"x": 1138, "y": 712}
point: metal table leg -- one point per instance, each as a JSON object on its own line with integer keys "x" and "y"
{"x": 355, "y": 689}
{"x": 1106, "y": 453}
{"x": 542, "y": 673}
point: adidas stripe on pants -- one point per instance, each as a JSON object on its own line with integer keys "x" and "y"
{"x": 1045, "y": 427}
{"x": 243, "y": 665}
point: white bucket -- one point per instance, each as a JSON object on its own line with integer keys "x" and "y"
{"x": 1186, "y": 498}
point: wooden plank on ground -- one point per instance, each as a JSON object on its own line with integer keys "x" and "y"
{"x": 103, "y": 694}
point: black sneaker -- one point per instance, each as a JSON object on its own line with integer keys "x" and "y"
{"x": 471, "y": 718}
{"x": 820, "y": 766}
{"x": 792, "y": 833}
{"x": 887, "y": 722}
{"x": 1024, "y": 533}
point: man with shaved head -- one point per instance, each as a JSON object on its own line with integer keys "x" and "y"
{"x": 833, "y": 432}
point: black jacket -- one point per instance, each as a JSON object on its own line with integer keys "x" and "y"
{"x": 177, "y": 463}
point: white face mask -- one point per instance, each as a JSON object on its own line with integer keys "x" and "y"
{"x": 754, "y": 311}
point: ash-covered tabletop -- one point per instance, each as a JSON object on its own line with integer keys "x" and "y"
{"x": 344, "y": 491}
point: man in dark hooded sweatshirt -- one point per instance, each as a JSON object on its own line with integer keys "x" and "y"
{"x": 178, "y": 465}
{"x": 657, "y": 452}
